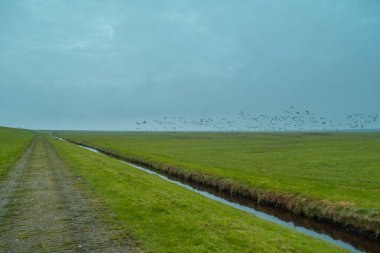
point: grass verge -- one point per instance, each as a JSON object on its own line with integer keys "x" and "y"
{"x": 13, "y": 142}
{"x": 331, "y": 177}
{"x": 167, "y": 218}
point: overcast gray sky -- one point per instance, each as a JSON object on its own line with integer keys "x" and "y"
{"x": 91, "y": 64}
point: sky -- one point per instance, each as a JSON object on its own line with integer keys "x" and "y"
{"x": 92, "y": 64}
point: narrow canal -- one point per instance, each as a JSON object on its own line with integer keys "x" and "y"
{"x": 317, "y": 229}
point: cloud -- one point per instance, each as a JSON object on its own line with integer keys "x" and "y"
{"x": 134, "y": 58}
{"x": 107, "y": 31}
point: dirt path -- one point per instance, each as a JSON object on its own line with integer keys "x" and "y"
{"x": 42, "y": 209}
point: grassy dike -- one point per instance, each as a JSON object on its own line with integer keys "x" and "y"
{"x": 13, "y": 142}
{"x": 333, "y": 177}
{"x": 164, "y": 217}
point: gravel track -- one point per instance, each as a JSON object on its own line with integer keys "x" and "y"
{"x": 43, "y": 210}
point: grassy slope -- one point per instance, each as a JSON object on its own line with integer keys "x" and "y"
{"x": 12, "y": 144}
{"x": 167, "y": 218}
{"x": 341, "y": 168}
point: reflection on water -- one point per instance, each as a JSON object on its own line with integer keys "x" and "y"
{"x": 359, "y": 242}
{"x": 317, "y": 229}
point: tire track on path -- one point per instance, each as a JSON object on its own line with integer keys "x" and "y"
{"x": 44, "y": 211}
{"x": 11, "y": 184}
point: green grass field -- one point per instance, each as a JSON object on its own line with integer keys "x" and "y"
{"x": 164, "y": 217}
{"x": 12, "y": 144}
{"x": 158, "y": 216}
{"x": 339, "y": 171}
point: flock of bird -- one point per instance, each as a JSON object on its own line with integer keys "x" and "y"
{"x": 291, "y": 120}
